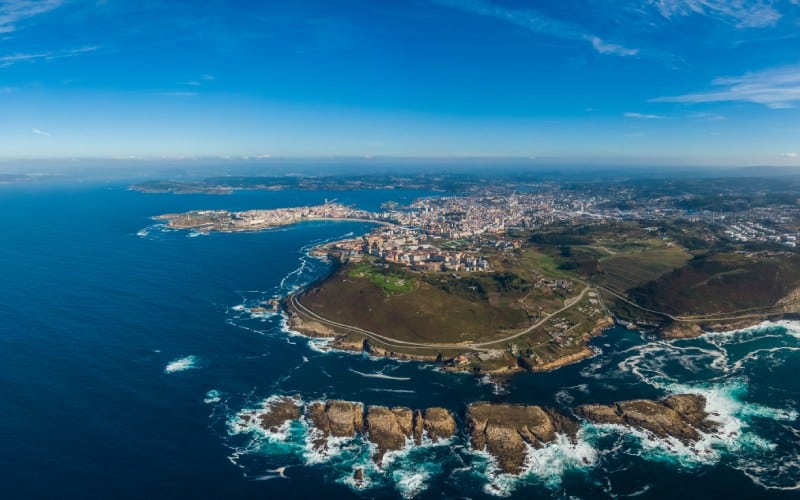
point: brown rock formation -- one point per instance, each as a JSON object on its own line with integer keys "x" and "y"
{"x": 358, "y": 476}
{"x": 337, "y": 418}
{"x": 504, "y": 430}
{"x": 680, "y": 416}
{"x": 275, "y": 413}
{"x": 405, "y": 417}
{"x": 280, "y": 411}
{"x": 681, "y": 331}
{"x": 388, "y": 428}
{"x": 439, "y": 423}
{"x": 419, "y": 426}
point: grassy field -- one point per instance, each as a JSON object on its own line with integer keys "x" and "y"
{"x": 355, "y": 295}
{"x": 721, "y": 283}
{"x": 626, "y": 271}
{"x": 390, "y": 282}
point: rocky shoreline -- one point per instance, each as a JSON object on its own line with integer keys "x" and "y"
{"x": 677, "y": 331}
{"x": 504, "y": 431}
{"x": 316, "y": 329}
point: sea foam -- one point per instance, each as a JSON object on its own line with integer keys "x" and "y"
{"x": 181, "y": 364}
{"x": 379, "y": 375}
{"x": 212, "y": 396}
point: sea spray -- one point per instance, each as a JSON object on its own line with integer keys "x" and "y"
{"x": 182, "y": 364}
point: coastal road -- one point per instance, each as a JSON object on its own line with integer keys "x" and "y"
{"x": 567, "y": 305}
{"x": 481, "y": 346}
{"x": 372, "y": 335}
{"x": 734, "y": 316}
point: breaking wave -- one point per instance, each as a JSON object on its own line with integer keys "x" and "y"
{"x": 378, "y": 375}
{"x": 181, "y": 364}
{"x": 756, "y": 438}
{"x": 756, "y": 434}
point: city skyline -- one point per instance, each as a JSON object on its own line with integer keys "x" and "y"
{"x": 668, "y": 82}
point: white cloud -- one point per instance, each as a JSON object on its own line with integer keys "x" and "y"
{"x": 8, "y": 60}
{"x": 41, "y": 132}
{"x": 707, "y": 116}
{"x": 790, "y": 156}
{"x": 13, "y": 12}
{"x": 199, "y": 81}
{"x": 643, "y": 116}
{"x": 744, "y": 14}
{"x": 774, "y": 88}
{"x": 539, "y": 23}
{"x": 612, "y": 48}
{"x": 179, "y": 94}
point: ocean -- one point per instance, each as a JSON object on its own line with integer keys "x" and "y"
{"x": 127, "y": 352}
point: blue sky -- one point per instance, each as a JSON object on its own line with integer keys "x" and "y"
{"x": 706, "y": 82}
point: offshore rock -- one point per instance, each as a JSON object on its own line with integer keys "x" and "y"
{"x": 439, "y": 423}
{"x": 681, "y": 416}
{"x": 388, "y": 429}
{"x": 358, "y": 476}
{"x": 276, "y": 412}
{"x": 419, "y": 426}
{"x": 405, "y": 417}
{"x": 337, "y": 418}
{"x": 692, "y": 407}
{"x": 505, "y": 430}
{"x": 279, "y": 412}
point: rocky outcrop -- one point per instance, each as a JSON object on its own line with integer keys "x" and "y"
{"x": 279, "y": 412}
{"x": 358, "y": 476}
{"x": 337, "y": 418}
{"x": 276, "y": 412}
{"x": 681, "y": 416}
{"x": 504, "y": 431}
{"x": 419, "y": 426}
{"x": 439, "y": 423}
{"x": 390, "y": 428}
{"x": 681, "y": 331}
{"x": 308, "y": 327}
{"x": 564, "y": 361}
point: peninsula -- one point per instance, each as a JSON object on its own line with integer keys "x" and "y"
{"x": 207, "y": 221}
{"x": 504, "y": 280}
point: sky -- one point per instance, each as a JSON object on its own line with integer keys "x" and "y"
{"x": 688, "y": 82}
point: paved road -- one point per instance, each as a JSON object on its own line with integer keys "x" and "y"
{"x": 568, "y": 304}
{"x": 369, "y": 334}
{"x": 402, "y": 343}
{"x": 690, "y": 319}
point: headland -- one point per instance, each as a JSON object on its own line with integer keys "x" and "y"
{"x": 501, "y": 280}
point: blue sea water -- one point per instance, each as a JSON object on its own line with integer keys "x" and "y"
{"x": 127, "y": 352}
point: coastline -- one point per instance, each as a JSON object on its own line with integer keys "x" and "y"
{"x": 300, "y": 323}
{"x": 678, "y": 331}
{"x": 449, "y": 356}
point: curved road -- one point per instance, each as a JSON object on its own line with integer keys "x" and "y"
{"x": 690, "y": 319}
{"x": 367, "y": 333}
{"x": 568, "y": 304}
{"x": 402, "y": 343}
